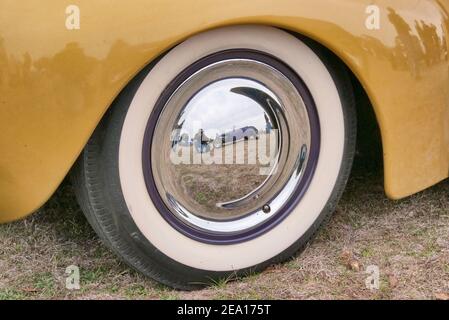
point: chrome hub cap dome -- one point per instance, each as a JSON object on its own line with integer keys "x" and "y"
{"x": 231, "y": 146}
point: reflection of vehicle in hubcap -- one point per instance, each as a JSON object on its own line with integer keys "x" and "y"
{"x": 235, "y": 135}
{"x": 265, "y": 146}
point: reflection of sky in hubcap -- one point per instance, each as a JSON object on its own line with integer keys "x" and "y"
{"x": 219, "y": 108}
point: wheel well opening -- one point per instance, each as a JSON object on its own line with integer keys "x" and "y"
{"x": 369, "y": 151}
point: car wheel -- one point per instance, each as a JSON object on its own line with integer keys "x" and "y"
{"x": 186, "y": 218}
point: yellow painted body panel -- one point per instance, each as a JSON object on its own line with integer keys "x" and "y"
{"x": 55, "y": 84}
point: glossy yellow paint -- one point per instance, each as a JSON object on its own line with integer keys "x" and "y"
{"x": 56, "y": 84}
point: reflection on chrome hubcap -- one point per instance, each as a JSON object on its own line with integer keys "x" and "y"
{"x": 230, "y": 146}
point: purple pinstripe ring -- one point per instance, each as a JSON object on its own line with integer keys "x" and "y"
{"x": 302, "y": 186}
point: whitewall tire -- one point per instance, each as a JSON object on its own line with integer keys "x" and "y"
{"x": 151, "y": 215}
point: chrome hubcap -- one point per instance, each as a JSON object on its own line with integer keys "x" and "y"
{"x": 230, "y": 146}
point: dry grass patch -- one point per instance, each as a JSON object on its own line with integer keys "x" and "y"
{"x": 408, "y": 240}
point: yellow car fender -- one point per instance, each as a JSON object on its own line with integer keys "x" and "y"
{"x": 58, "y": 78}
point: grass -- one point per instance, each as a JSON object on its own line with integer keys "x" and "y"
{"x": 408, "y": 240}
{"x": 8, "y": 294}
